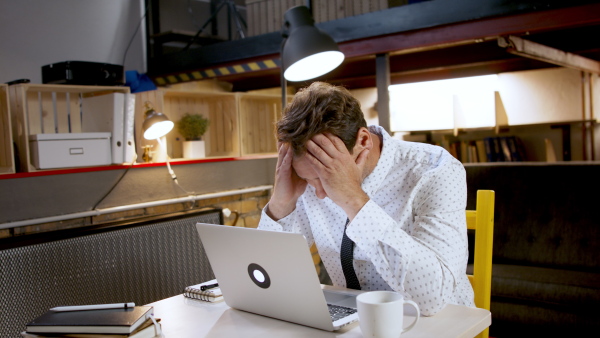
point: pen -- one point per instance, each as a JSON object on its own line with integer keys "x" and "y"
{"x": 209, "y": 286}
{"x": 94, "y": 307}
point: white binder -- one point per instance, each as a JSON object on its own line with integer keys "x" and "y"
{"x": 128, "y": 128}
{"x": 105, "y": 113}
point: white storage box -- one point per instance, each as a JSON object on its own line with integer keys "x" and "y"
{"x": 65, "y": 150}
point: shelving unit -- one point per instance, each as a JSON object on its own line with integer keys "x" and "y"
{"x": 222, "y": 137}
{"x": 48, "y": 109}
{"x": 240, "y": 124}
{"x": 549, "y": 110}
{"x": 258, "y": 115}
{"x": 7, "y": 165}
{"x": 536, "y": 138}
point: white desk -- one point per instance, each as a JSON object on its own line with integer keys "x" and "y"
{"x": 182, "y": 317}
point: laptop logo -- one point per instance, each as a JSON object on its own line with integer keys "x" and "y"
{"x": 259, "y": 276}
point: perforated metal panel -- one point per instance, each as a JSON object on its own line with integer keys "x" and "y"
{"x": 140, "y": 264}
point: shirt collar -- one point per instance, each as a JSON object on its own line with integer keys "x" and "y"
{"x": 384, "y": 164}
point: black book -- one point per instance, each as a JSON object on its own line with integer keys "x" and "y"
{"x": 108, "y": 321}
{"x": 489, "y": 149}
{"x": 147, "y": 330}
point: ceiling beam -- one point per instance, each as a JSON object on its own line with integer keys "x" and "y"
{"x": 408, "y": 28}
{"x": 472, "y": 31}
{"x": 534, "y": 50}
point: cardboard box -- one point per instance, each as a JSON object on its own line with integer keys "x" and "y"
{"x": 50, "y": 151}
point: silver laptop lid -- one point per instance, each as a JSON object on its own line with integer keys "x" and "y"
{"x": 266, "y": 272}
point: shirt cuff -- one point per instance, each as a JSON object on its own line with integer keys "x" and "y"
{"x": 370, "y": 227}
{"x": 284, "y": 224}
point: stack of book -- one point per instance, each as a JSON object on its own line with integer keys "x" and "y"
{"x": 208, "y": 291}
{"x": 488, "y": 149}
{"x": 136, "y": 322}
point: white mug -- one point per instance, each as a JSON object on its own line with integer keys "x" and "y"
{"x": 381, "y": 314}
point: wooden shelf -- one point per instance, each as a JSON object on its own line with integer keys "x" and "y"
{"x": 173, "y": 162}
{"x": 7, "y": 165}
{"x": 45, "y": 108}
{"x": 500, "y": 129}
{"x": 241, "y": 124}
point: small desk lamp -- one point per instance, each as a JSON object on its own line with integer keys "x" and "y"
{"x": 156, "y": 125}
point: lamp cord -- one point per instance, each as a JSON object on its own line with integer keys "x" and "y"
{"x": 171, "y": 172}
{"x": 117, "y": 182}
{"x": 136, "y": 31}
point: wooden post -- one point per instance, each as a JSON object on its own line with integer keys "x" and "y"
{"x": 382, "y": 63}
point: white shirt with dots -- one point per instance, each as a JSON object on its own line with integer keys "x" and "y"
{"x": 411, "y": 236}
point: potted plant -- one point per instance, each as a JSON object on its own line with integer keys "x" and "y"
{"x": 192, "y": 127}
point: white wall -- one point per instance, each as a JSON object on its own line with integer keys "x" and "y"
{"x": 34, "y": 33}
{"x": 542, "y": 96}
{"x": 368, "y": 103}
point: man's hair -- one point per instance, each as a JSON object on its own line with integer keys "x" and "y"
{"x": 320, "y": 108}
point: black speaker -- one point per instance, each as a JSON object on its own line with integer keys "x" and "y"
{"x": 83, "y": 73}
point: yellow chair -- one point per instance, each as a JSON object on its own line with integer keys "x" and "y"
{"x": 482, "y": 221}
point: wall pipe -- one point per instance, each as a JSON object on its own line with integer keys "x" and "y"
{"x": 98, "y": 212}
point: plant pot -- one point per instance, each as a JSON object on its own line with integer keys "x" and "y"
{"x": 193, "y": 149}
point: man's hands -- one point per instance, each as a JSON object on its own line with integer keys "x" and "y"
{"x": 340, "y": 174}
{"x": 332, "y": 170}
{"x": 288, "y": 186}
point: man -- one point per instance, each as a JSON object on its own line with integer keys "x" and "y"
{"x": 402, "y": 204}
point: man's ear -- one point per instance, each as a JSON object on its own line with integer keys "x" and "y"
{"x": 363, "y": 140}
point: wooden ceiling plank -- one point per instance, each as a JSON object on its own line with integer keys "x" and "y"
{"x": 534, "y": 50}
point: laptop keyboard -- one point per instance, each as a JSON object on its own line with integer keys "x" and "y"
{"x": 337, "y": 312}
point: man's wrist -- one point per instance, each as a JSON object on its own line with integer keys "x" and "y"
{"x": 356, "y": 205}
{"x": 276, "y": 212}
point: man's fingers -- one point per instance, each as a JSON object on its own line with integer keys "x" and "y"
{"x": 330, "y": 143}
{"x": 337, "y": 142}
{"x": 316, "y": 154}
{"x": 282, "y": 149}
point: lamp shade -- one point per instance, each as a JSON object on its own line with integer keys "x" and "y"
{"x": 156, "y": 125}
{"x": 307, "y": 52}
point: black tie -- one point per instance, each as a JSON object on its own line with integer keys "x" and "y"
{"x": 347, "y": 256}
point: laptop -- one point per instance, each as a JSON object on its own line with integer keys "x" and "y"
{"x": 272, "y": 274}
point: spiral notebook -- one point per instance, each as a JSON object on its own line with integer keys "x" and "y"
{"x": 212, "y": 295}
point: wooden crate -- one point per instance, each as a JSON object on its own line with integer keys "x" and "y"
{"x": 222, "y": 137}
{"x": 7, "y": 164}
{"x": 47, "y": 109}
{"x": 266, "y": 16}
{"x": 258, "y": 115}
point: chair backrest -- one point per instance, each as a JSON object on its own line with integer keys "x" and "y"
{"x": 481, "y": 220}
